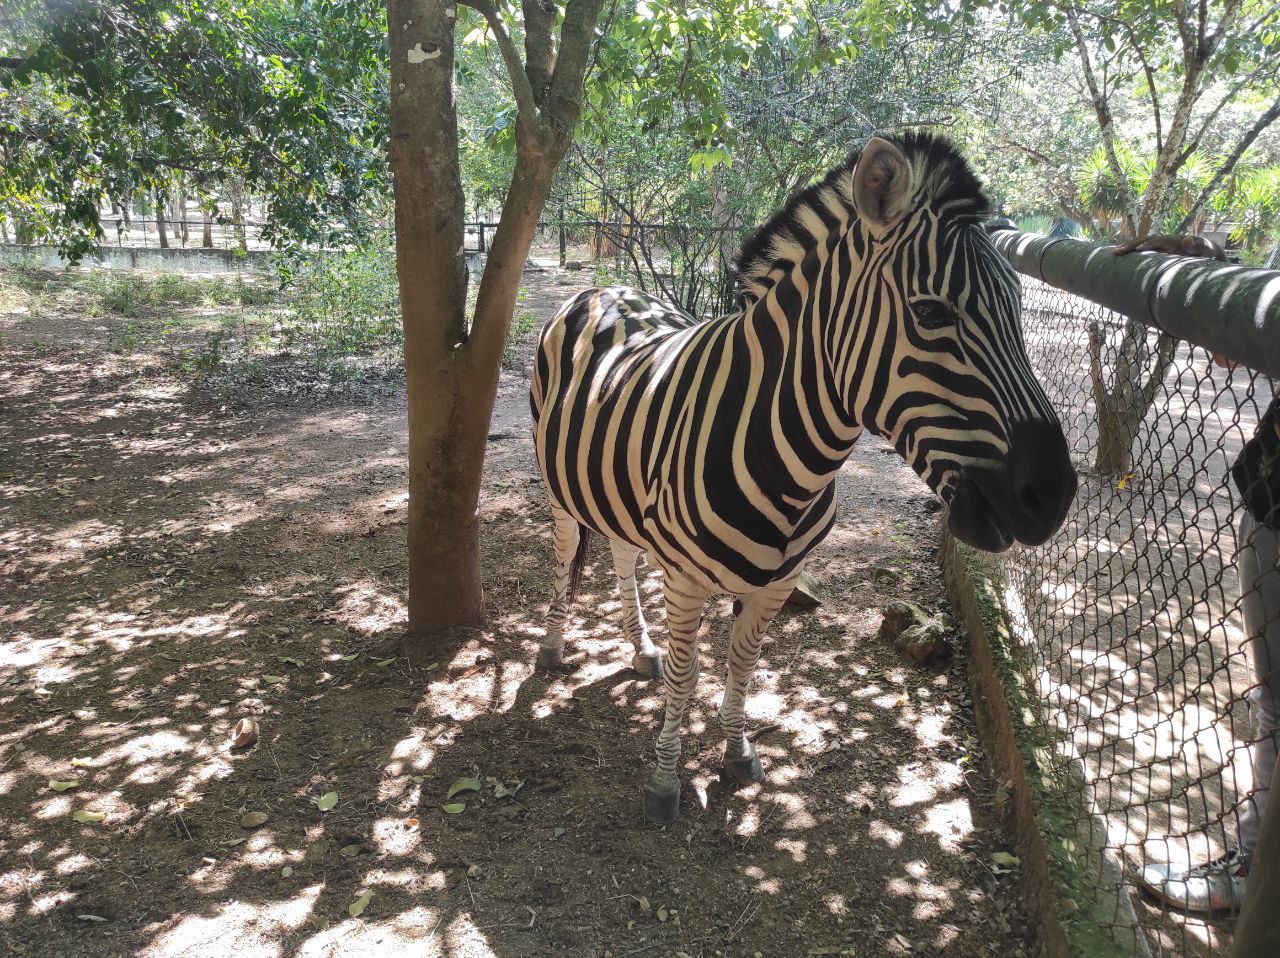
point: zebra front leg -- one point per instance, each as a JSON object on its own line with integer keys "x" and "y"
{"x": 741, "y": 760}
{"x": 648, "y": 657}
{"x": 567, "y": 538}
{"x": 685, "y": 600}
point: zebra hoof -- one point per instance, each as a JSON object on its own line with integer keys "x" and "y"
{"x": 745, "y": 770}
{"x": 661, "y": 806}
{"x": 648, "y": 666}
{"x": 550, "y": 661}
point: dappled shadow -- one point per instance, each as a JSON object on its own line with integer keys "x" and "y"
{"x": 171, "y": 567}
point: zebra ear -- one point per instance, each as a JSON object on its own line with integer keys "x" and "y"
{"x": 881, "y": 185}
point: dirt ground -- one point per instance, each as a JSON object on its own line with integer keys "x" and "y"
{"x": 174, "y": 559}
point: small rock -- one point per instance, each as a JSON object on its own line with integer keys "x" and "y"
{"x": 918, "y": 635}
{"x": 805, "y": 595}
{"x": 885, "y": 574}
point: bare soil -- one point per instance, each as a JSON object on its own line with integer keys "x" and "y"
{"x": 174, "y": 559}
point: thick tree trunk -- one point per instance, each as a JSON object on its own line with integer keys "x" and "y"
{"x": 451, "y": 372}
{"x": 206, "y": 237}
{"x": 448, "y": 417}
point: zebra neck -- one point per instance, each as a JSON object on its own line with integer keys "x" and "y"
{"x": 801, "y": 430}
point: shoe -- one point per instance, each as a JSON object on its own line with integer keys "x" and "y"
{"x": 1214, "y": 886}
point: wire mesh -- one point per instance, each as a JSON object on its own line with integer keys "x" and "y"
{"x": 1134, "y": 614}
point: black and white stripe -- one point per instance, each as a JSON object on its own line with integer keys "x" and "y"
{"x": 873, "y": 300}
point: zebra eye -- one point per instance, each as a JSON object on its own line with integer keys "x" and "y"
{"x": 932, "y": 314}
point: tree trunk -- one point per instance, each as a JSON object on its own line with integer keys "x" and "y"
{"x": 182, "y": 212}
{"x": 237, "y": 213}
{"x": 206, "y": 238}
{"x": 448, "y": 418}
{"x": 451, "y": 372}
{"x": 160, "y": 224}
{"x": 1122, "y": 408}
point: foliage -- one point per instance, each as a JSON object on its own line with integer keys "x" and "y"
{"x": 341, "y": 302}
{"x": 119, "y": 97}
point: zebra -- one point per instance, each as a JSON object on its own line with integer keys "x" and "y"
{"x": 872, "y": 300}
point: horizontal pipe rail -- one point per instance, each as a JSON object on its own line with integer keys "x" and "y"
{"x": 1233, "y": 311}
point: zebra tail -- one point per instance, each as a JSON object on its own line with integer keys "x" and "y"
{"x": 579, "y": 560}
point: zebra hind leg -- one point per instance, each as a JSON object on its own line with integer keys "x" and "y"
{"x": 755, "y": 612}
{"x": 648, "y": 657}
{"x": 568, "y": 540}
{"x": 685, "y": 600}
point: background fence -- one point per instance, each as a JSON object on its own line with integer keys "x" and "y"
{"x": 1131, "y": 615}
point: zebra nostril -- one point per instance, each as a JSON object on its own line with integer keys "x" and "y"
{"x": 1031, "y": 498}
{"x": 1042, "y": 475}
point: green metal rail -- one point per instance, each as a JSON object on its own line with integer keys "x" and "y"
{"x": 1230, "y": 310}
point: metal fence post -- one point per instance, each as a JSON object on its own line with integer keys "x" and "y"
{"x": 562, "y": 234}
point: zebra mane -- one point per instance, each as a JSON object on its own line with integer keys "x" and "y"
{"x": 943, "y": 179}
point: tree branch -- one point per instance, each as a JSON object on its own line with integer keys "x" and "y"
{"x": 1264, "y": 121}
{"x": 564, "y": 98}
{"x": 521, "y": 88}
{"x": 1227, "y": 97}
{"x": 1151, "y": 84}
{"x": 539, "y": 44}
{"x": 1103, "y": 110}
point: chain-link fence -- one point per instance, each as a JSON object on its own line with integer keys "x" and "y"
{"x": 1139, "y": 615}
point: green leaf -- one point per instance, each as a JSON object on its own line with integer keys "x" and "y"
{"x": 326, "y": 801}
{"x": 62, "y": 786}
{"x": 88, "y": 817}
{"x": 357, "y": 907}
{"x": 463, "y": 785}
{"x": 455, "y": 808}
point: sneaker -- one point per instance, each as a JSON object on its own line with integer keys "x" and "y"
{"x": 1214, "y": 886}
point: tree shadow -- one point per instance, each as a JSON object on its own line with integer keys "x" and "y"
{"x": 174, "y": 568}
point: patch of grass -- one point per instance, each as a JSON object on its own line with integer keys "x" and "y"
{"x": 136, "y": 294}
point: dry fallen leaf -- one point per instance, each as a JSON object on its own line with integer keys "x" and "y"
{"x": 411, "y": 823}
{"x": 357, "y": 907}
{"x": 286, "y": 871}
{"x": 350, "y": 851}
{"x": 1003, "y": 862}
{"x": 80, "y": 763}
{"x": 503, "y": 790}
{"x": 272, "y": 679}
{"x": 245, "y": 734}
{"x": 58, "y": 786}
{"x": 253, "y": 819}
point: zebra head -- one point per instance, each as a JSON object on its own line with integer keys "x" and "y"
{"x": 961, "y": 403}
